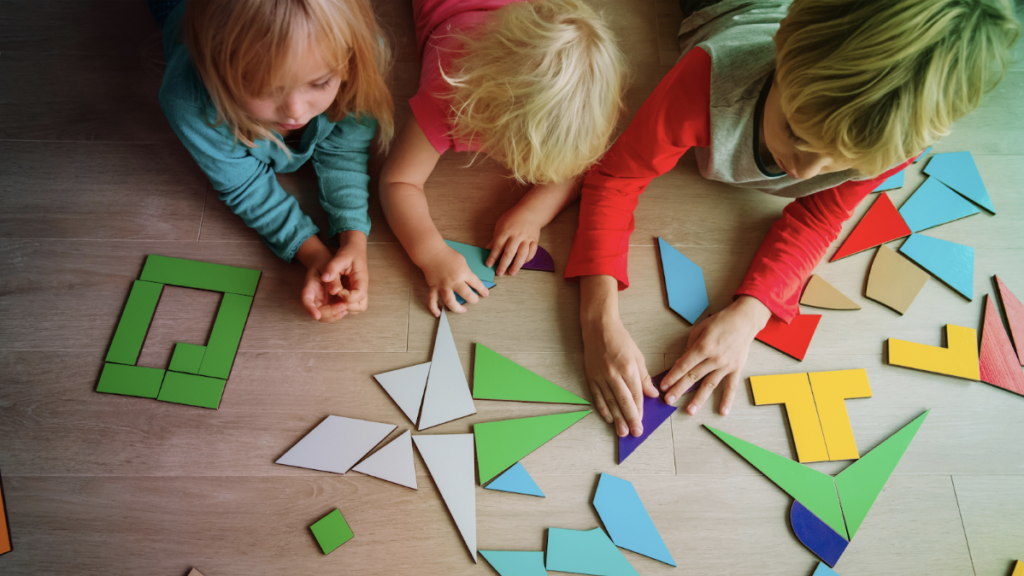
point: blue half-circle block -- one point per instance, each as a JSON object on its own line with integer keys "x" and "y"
{"x": 817, "y": 536}
{"x": 516, "y": 479}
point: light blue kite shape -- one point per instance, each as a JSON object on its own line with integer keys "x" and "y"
{"x": 627, "y": 520}
{"x": 684, "y": 282}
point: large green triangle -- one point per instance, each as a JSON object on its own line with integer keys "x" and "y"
{"x": 498, "y": 378}
{"x": 815, "y": 490}
{"x": 861, "y": 483}
{"x": 503, "y": 443}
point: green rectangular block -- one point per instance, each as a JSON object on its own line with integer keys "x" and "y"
{"x": 331, "y": 531}
{"x": 192, "y": 390}
{"x": 187, "y": 358}
{"x": 130, "y": 380}
{"x": 134, "y": 323}
{"x": 201, "y": 275}
{"x": 225, "y": 336}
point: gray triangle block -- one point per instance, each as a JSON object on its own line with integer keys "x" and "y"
{"x": 393, "y": 462}
{"x": 336, "y": 444}
{"x": 449, "y": 458}
{"x": 405, "y": 386}
{"x": 447, "y": 397}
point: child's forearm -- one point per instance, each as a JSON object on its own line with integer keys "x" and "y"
{"x": 599, "y": 302}
{"x": 545, "y": 201}
{"x": 312, "y": 251}
{"x": 405, "y": 207}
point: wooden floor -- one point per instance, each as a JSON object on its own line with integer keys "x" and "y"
{"x": 92, "y": 180}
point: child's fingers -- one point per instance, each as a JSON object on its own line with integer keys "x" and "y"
{"x": 497, "y": 246}
{"x": 309, "y": 301}
{"x": 732, "y": 384}
{"x": 627, "y": 401}
{"x": 359, "y": 282}
{"x": 683, "y": 369}
{"x": 506, "y": 257}
{"x": 613, "y": 406}
{"x": 602, "y": 407}
{"x": 432, "y": 303}
{"x": 463, "y": 289}
{"x": 451, "y": 302}
{"x": 522, "y": 257}
{"x": 478, "y": 285}
{"x": 704, "y": 392}
{"x": 689, "y": 379}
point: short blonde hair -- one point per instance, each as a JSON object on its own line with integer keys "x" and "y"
{"x": 539, "y": 88}
{"x": 877, "y": 81}
{"x": 242, "y": 47}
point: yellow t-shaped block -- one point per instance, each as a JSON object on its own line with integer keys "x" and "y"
{"x": 831, "y": 389}
{"x": 794, "y": 391}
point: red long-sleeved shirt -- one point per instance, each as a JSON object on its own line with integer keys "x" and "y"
{"x": 675, "y": 117}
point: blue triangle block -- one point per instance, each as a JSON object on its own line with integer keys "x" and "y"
{"x": 958, "y": 171}
{"x": 462, "y": 300}
{"x": 823, "y": 570}
{"x": 627, "y": 520}
{"x": 948, "y": 261}
{"x": 517, "y": 480}
{"x": 684, "y": 282}
{"x": 514, "y": 563}
{"x": 819, "y": 538}
{"x": 891, "y": 183}
{"x": 933, "y": 204}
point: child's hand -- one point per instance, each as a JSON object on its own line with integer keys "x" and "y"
{"x": 335, "y": 285}
{"x": 447, "y": 273}
{"x": 717, "y": 348}
{"x": 516, "y": 234}
{"x": 618, "y": 377}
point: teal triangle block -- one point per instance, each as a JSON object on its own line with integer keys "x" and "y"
{"x": 891, "y": 183}
{"x": 934, "y": 203}
{"x": 823, "y": 570}
{"x": 684, "y": 282}
{"x": 586, "y": 552}
{"x": 948, "y": 261}
{"x": 515, "y": 563}
{"x": 476, "y": 257}
{"x": 958, "y": 171}
{"x": 516, "y": 480}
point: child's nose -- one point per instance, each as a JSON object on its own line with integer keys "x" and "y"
{"x": 292, "y": 107}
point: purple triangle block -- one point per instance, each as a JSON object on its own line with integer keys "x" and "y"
{"x": 819, "y": 538}
{"x": 655, "y": 413}
{"x": 541, "y": 261}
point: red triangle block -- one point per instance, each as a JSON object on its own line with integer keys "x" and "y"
{"x": 1015, "y": 316}
{"x": 998, "y": 361}
{"x": 881, "y": 224}
{"x": 792, "y": 338}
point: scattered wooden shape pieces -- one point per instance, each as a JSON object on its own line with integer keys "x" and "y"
{"x": 515, "y": 563}
{"x": 817, "y": 536}
{"x": 134, "y": 324}
{"x": 487, "y": 285}
{"x": 861, "y": 482}
{"x": 892, "y": 182}
{"x": 498, "y": 378}
{"x": 541, "y": 260}
{"x": 933, "y": 204}
{"x": 626, "y": 519}
{"x": 516, "y": 480}
{"x": 894, "y": 281}
{"x": 958, "y": 171}
{"x": 948, "y": 261}
{"x": 794, "y": 391}
{"x": 831, "y": 390}
{"x": 501, "y": 444}
{"x": 200, "y": 275}
{"x": 336, "y": 444}
{"x": 447, "y": 396}
{"x": 194, "y": 572}
{"x": 6, "y": 544}
{"x": 823, "y": 570}
{"x": 331, "y": 531}
{"x": 191, "y": 389}
{"x": 997, "y": 360}
{"x": 476, "y": 258}
{"x": 187, "y": 358}
{"x": 821, "y": 294}
{"x": 959, "y": 358}
{"x": 793, "y": 338}
{"x": 225, "y": 336}
{"x": 1014, "y": 311}
{"x": 449, "y": 459}
{"x": 881, "y": 224}
{"x": 684, "y": 283}
{"x": 406, "y": 386}
{"x": 586, "y": 552}
{"x": 393, "y": 462}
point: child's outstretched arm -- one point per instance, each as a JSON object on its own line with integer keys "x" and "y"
{"x": 405, "y": 206}
{"x": 517, "y": 232}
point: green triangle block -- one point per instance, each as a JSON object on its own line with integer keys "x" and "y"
{"x": 498, "y": 378}
{"x": 861, "y": 483}
{"x": 815, "y": 490}
{"x": 503, "y": 443}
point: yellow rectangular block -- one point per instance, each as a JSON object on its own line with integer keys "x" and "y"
{"x": 794, "y": 390}
{"x": 831, "y": 389}
{"x": 959, "y": 357}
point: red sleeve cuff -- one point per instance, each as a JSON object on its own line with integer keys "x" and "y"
{"x": 432, "y": 121}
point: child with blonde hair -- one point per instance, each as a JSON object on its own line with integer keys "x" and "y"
{"x": 258, "y": 87}
{"x": 535, "y": 85}
{"x": 822, "y": 109}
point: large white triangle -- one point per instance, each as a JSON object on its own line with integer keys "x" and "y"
{"x": 449, "y": 459}
{"x": 448, "y": 397}
{"x": 336, "y": 444}
{"x": 405, "y": 386}
{"x": 393, "y": 462}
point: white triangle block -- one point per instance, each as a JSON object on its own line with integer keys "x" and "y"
{"x": 393, "y": 462}
{"x": 336, "y": 444}
{"x": 405, "y": 386}
{"x": 449, "y": 459}
{"x": 447, "y": 397}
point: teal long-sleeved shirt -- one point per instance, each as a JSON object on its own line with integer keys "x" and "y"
{"x": 244, "y": 177}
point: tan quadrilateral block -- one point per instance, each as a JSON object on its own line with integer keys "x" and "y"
{"x": 894, "y": 280}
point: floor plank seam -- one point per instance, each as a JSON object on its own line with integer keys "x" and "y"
{"x": 202, "y": 214}
{"x": 962, "y": 525}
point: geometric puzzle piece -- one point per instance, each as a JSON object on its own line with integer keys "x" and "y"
{"x": 194, "y": 572}
{"x": 831, "y": 389}
{"x": 200, "y": 275}
{"x": 881, "y": 224}
{"x": 225, "y": 335}
{"x": 501, "y": 444}
{"x": 958, "y": 171}
{"x": 517, "y": 481}
{"x": 6, "y": 544}
{"x": 406, "y": 386}
{"x": 486, "y": 284}
{"x": 626, "y": 519}
{"x": 192, "y": 390}
{"x": 891, "y": 183}
{"x": 447, "y": 396}
{"x": 948, "y": 261}
{"x": 498, "y": 378}
{"x": 130, "y": 380}
{"x": 134, "y": 323}
{"x": 861, "y": 483}
{"x": 997, "y": 360}
{"x": 393, "y": 462}
{"x": 331, "y": 531}
{"x": 793, "y": 338}
{"x": 821, "y": 294}
{"x": 1018, "y": 569}
{"x": 514, "y": 563}
{"x": 656, "y": 412}
{"x": 476, "y": 258}
{"x": 684, "y": 283}
{"x": 823, "y": 541}
{"x": 823, "y": 570}
{"x": 187, "y": 358}
{"x": 922, "y": 155}
{"x": 893, "y": 280}
{"x": 336, "y": 444}
{"x": 542, "y": 261}
{"x": 586, "y": 552}
{"x": 794, "y": 391}
{"x": 959, "y": 358}
{"x": 1014, "y": 310}
{"x": 933, "y": 204}
{"x": 449, "y": 459}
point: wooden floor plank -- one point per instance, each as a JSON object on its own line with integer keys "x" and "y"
{"x": 992, "y": 507}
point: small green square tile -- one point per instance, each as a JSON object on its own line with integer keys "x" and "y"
{"x": 130, "y": 380}
{"x": 187, "y": 358}
{"x": 331, "y": 531}
{"x": 134, "y": 323}
{"x": 192, "y": 390}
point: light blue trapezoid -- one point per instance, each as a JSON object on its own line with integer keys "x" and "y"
{"x": 516, "y": 480}
{"x": 684, "y": 283}
{"x": 515, "y": 563}
{"x": 627, "y": 520}
{"x": 948, "y": 261}
{"x": 892, "y": 182}
{"x": 958, "y": 171}
{"x": 935, "y": 203}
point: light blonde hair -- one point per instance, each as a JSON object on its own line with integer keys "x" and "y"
{"x": 243, "y": 47}
{"x": 539, "y": 88}
{"x": 877, "y": 81}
